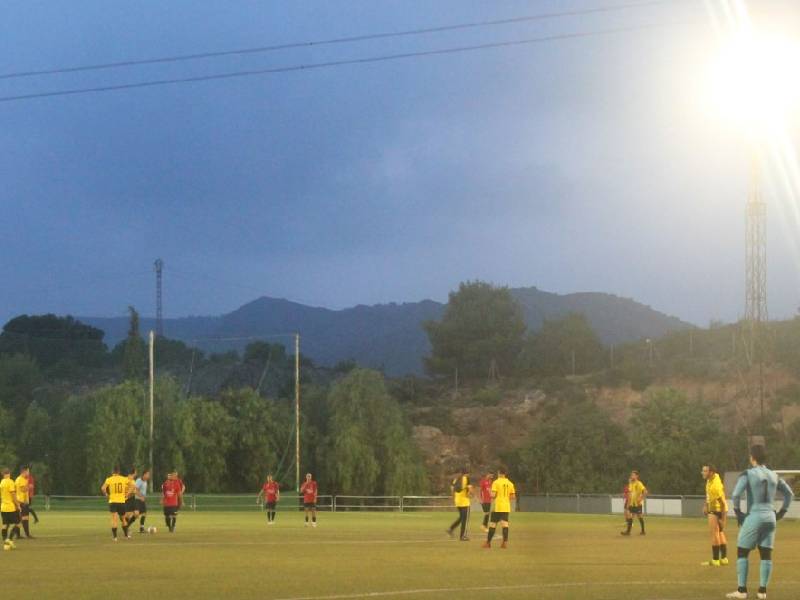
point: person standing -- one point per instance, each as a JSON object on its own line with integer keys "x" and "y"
{"x": 272, "y": 493}
{"x": 503, "y": 491}
{"x": 141, "y": 498}
{"x": 637, "y": 493}
{"x": 9, "y": 509}
{"x": 462, "y": 492}
{"x": 309, "y": 490}
{"x": 485, "y": 492}
{"x": 716, "y": 511}
{"x": 171, "y": 500}
{"x": 21, "y": 484}
{"x": 31, "y": 494}
{"x": 115, "y": 488}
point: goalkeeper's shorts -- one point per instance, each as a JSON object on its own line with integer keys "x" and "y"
{"x": 757, "y": 530}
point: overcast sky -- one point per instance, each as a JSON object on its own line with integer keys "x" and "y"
{"x": 588, "y": 164}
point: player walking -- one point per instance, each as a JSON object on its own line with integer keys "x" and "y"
{"x": 485, "y": 492}
{"x": 130, "y": 499}
{"x": 272, "y": 493}
{"x": 757, "y": 526}
{"x": 21, "y": 484}
{"x": 141, "y": 499}
{"x": 171, "y": 499}
{"x": 462, "y": 491}
{"x": 716, "y": 510}
{"x": 115, "y": 488}
{"x": 9, "y": 509}
{"x": 637, "y": 493}
{"x": 502, "y": 492}
{"x": 31, "y": 494}
{"x": 309, "y": 491}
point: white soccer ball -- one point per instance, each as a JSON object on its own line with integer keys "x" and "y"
{"x": 151, "y": 530}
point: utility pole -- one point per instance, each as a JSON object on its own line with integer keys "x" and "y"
{"x": 152, "y": 397}
{"x": 297, "y": 410}
{"x": 159, "y": 267}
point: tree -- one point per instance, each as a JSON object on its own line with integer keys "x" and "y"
{"x": 35, "y": 436}
{"x": 19, "y": 376}
{"x": 551, "y": 350}
{"x": 134, "y": 350}
{"x": 480, "y": 333}
{"x": 204, "y": 431}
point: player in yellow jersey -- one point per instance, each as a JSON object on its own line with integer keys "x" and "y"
{"x": 637, "y": 493}
{"x": 115, "y": 488}
{"x": 23, "y": 498}
{"x": 503, "y": 492}
{"x": 130, "y": 498}
{"x": 716, "y": 510}
{"x": 462, "y": 492}
{"x": 9, "y": 508}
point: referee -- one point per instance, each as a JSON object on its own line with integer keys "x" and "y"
{"x": 141, "y": 499}
{"x": 462, "y": 491}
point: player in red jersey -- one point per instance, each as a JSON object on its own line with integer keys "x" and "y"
{"x": 31, "y": 494}
{"x": 486, "y": 499}
{"x": 272, "y": 493}
{"x": 309, "y": 491}
{"x": 171, "y": 499}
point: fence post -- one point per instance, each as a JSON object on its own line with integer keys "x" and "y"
{"x": 47, "y": 502}
{"x": 194, "y": 502}
{"x": 333, "y": 503}
{"x": 547, "y": 502}
{"x": 401, "y": 504}
{"x": 578, "y": 503}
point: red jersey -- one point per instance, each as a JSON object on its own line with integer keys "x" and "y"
{"x": 309, "y": 489}
{"x": 31, "y": 485}
{"x": 625, "y": 495}
{"x": 486, "y": 490}
{"x": 171, "y": 492}
{"x": 271, "y": 491}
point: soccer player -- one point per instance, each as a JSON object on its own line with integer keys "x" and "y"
{"x": 272, "y": 493}
{"x": 757, "y": 527}
{"x": 130, "y": 499}
{"x": 171, "y": 499}
{"x": 9, "y": 508}
{"x": 502, "y": 493}
{"x": 141, "y": 498}
{"x": 115, "y": 488}
{"x": 485, "y": 491}
{"x": 31, "y": 494}
{"x": 637, "y": 493}
{"x": 462, "y": 490}
{"x": 21, "y": 484}
{"x": 716, "y": 510}
{"x": 309, "y": 491}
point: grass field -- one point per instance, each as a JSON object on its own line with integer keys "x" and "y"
{"x": 367, "y": 555}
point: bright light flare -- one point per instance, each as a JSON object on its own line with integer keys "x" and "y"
{"x": 755, "y": 81}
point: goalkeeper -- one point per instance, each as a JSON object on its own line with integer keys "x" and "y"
{"x": 757, "y": 527}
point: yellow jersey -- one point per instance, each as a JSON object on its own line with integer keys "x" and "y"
{"x": 461, "y": 497}
{"x": 116, "y": 488}
{"x": 715, "y": 495}
{"x": 503, "y": 490}
{"x": 636, "y": 491}
{"x": 22, "y": 489}
{"x": 7, "y": 490}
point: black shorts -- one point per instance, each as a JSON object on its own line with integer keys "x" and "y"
{"x": 141, "y": 506}
{"x": 499, "y": 516}
{"x": 130, "y": 504}
{"x": 117, "y": 507}
{"x": 10, "y": 518}
{"x": 310, "y": 505}
{"x": 271, "y": 505}
{"x": 720, "y": 518}
{"x": 486, "y": 506}
{"x": 170, "y": 511}
{"x": 24, "y": 509}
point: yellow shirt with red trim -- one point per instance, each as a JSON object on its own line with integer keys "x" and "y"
{"x": 503, "y": 491}
{"x": 636, "y": 491}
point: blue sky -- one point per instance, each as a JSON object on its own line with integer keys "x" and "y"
{"x": 579, "y": 165}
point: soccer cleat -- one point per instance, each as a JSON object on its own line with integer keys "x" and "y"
{"x": 486, "y": 545}
{"x": 484, "y": 529}
{"x": 737, "y": 595}
{"x": 270, "y": 522}
{"x": 761, "y": 595}
{"x": 642, "y": 533}
{"x": 710, "y": 563}
{"x": 113, "y": 539}
{"x": 624, "y": 532}
{"x": 724, "y": 561}
{"x": 449, "y": 532}
{"x": 314, "y": 524}
{"x": 306, "y": 525}
{"x": 464, "y": 538}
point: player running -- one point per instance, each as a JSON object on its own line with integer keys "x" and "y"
{"x": 31, "y": 494}
{"x": 115, "y": 488}
{"x": 309, "y": 491}
{"x": 637, "y": 494}
{"x": 502, "y": 493}
{"x": 716, "y": 510}
{"x": 485, "y": 492}
{"x": 141, "y": 499}
{"x": 462, "y": 490}
{"x": 171, "y": 499}
{"x": 21, "y": 484}
{"x": 130, "y": 498}
{"x": 272, "y": 493}
{"x": 9, "y": 509}
{"x": 757, "y": 526}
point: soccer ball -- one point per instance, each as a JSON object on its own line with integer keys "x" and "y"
{"x": 151, "y": 530}
{"x": 6, "y": 546}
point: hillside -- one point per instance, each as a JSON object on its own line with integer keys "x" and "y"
{"x": 389, "y": 336}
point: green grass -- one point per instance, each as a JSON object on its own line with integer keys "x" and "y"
{"x": 235, "y": 555}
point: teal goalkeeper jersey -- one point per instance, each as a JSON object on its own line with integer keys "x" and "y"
{"x": 761, "y": 485}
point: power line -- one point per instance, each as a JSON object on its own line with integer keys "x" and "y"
{"x": 339, "y": 63}
{"x": 341, "y": 40}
